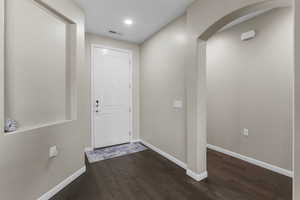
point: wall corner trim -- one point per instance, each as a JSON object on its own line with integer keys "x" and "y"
{"x": 62, "y": 185}
{"x": 253, "y": 161}
{"x": 195, "y": 176}
{"x": 164, "y": 154}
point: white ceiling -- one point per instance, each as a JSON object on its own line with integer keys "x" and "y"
{"x": 149, "y": 16}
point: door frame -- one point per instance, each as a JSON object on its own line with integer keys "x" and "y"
{"x": 93, "y": 47}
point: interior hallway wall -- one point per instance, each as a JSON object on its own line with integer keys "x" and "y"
{"x": 26, "y": 171}
{"x": 109, "y": 42}
{"x": 162, "y": 82}
{"x": 250, "y": 86}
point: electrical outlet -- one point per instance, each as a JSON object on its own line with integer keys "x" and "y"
{"x": 245, "y": 132}
{"x": 53, "y": 152}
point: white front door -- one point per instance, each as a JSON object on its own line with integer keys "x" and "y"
{"x": 111, "y": 99}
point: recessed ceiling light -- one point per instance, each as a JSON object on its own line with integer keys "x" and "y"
{"x": 128, "y": 22}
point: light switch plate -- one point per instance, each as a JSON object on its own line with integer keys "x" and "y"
{"x": 177, "y": 104}
{"x": 245, "y": 132}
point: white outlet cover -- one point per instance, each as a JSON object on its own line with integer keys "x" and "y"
{"x": 53, "y": 152}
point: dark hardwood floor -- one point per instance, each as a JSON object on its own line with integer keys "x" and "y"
{"x": 149, "y": 176}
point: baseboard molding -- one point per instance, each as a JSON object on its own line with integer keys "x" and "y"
{"x": 252, "y": 161}
{"x": 88, "y": 149}
{"x": 190, "y": 173}
{"x": 195, "y": 176}
{"x": 62, "y": 185}
{"x": 164, "y": 154}
{"x": 134, "y": 141}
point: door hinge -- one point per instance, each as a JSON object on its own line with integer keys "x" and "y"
{"x": 129, "y": 109}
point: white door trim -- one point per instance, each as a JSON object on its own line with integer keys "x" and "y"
{"x": 93, "y": 46}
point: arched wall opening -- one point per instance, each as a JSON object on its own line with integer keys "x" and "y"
{"x": 199, "y": 32}
{"x": 249, "y": 94}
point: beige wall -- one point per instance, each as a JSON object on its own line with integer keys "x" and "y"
{"x": 105, "y": 41}
{"x": 162, "y": 81}
{"x": 250, "y": 86}
{"x": 200, "y": 20}
{"x": 204, "y": 17}
{"x": 25, "y": 169}
{"x": 25, "y": 75}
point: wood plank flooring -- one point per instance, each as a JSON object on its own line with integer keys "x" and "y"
{"x": 148, "y": 176}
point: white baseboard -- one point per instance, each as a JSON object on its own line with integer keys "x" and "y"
{"x": 164, "y": 154}
{"x": 134, "y": 141}
{"x": 195, "y": 176}
{"x": 88, "y": 149}
{"x": 62, "y": 185}
{"x": 252, "y": 161}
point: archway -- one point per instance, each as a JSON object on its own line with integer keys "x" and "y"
{"x": 199, "y": 32}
